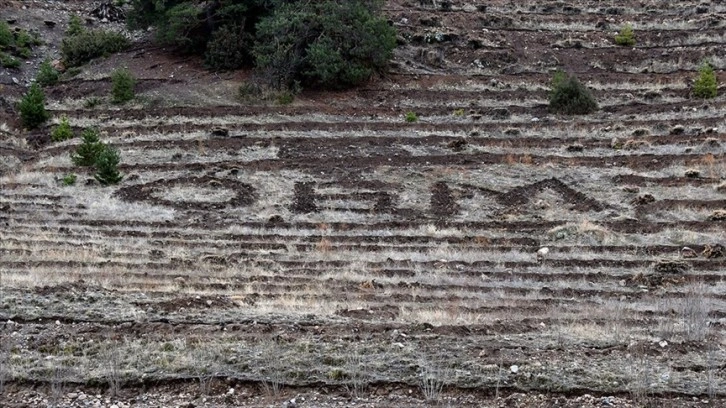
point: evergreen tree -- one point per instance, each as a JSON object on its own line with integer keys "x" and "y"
{"x": 107, "y": 166}
{"x": 63, "y": 131}
{"x": 88, "y": 152}
{"x": 32, "y": 107}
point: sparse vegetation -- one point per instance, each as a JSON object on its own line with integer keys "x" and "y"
{"x": 626, "y": 37}
{"x": 411, "y": 117}
{"x": 87, "y": 153}
{"x": 8, "y": 61}
{"x": 63, "y": 131}
{"x": 706, "y": 85}
{"x": 569, "y": 96}
{"x": 75, "y": 26}
{"x": 32, "y": 108}
{"x": 69, "y": 179}
{"x": 47, "y": 75}
{"x": 123, "y": 83}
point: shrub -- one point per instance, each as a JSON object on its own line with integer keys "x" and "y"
{"x": 6, "y": 35}
{"x": 329, "y": 44}
{"x": 227, "y": 49}
{"x": 32, "y": 107}
{"x": 75, "y": 26}
{"x": 47, "y": 75}
{"x": 122, "y": 89}
{"x": 88, "y": 152}
{"x": 69, "y": 179}
{"x": 411, "y": 117}
{"x": 80, "y": 48}
{"x": 326, "y": 43}
{"x": 626, "y": 36}
{"x": 63, "y": 131}
{"x": 706, "y": 85}
{"x": 570, "y": 97}
{"x": 8, "y": 61}
{"x": 107, "y": 166}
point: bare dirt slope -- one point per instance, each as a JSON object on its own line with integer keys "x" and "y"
{"x": 329, "y": 253}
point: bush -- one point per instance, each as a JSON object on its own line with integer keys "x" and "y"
{"x": 32, "y": 107}
{"x": 411, "y": 117}
{"x": 80, "y": 48}
{"x": 570, "y": 97}
{"x": 6, "y": 35}
{"x": 706, "y": 85}
{"x": 8, "y": 61}
{"x": 122, "y": 89}
{"x": 69, "y": 179}
{"x": 47, "y": 75}
{"x": 75, "y": 26}
{"x": 227, "y": 49}
{"x": 63, "y": 131}
{"x": 107, "y": 167}
{"x": 88, "y": 152}
{"x": 326, "y": 43}
{"x": 330, "y": 44}
{"x": 626, "y": 36}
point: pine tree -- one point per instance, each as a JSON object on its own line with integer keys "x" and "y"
{"x": 87, "y": 152}
{"x": 63, "y": 131}
{"x": 107, "y": 166}
{"x": 32, "y": 107}
{"x": 706, "y": 85}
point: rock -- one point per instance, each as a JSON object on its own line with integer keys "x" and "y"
{"x": 219, "y": 131}
{"x": 671, "y": 266}
{"x": 542, "y": 253}
{"x": 50, "y": 23}
{"x": 678, "y": 130}
{"x": 575, "y": 148}
{"x": 514, "y": 369}
{"x": 693, "y": 173}
{"x": 718, "y": 215}
{"x": 713, "y": 251}
{"x": 643, "y": 199}
{"x": 687, "y": 252}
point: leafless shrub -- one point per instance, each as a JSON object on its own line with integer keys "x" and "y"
{"x": 205, "y": 367}
{"x": 641, "y": 376}
{"x": 711, "y": 372}
{"x": 432, "y": 379}
{"x": 694, "y": 312}
{"x": 273, "y": 369}
{"x": 113, "y": 369}
{"x": 357, "y": 379}
{"x": 57, "y": 372}
{"x": 4, "y": 364}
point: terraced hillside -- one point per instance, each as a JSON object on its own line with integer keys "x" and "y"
{"x": 331, "y": 252}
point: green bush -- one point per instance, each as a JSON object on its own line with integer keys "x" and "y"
{"x": 75, "y": 26}
{"x": 63, "y": 131}
{"x": 706, "y": 85}
{"x": 8, "y": 61}
{"x": 227, "y": 49}
{"x": 411, "y": 117}
{"x": 570, "y": 97}
{"x": 123, "y": 83}
{"x": 80, "y": 48}
{"x": 626, "y": 37}
{"x": 69, "y": 179}
{"x": 107, "y": 167}
{"x": 6, "y": 35}
{"x": 32, "y": 107}
{"x": 326, "y": 43}
{"x": 331, "y": 44}
{"x": 88, "y": 152}
{"x": 47, "y": 75}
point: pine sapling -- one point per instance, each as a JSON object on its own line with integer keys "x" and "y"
{"x": 87, "y": 152}
{"x": 107, "y": 166}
